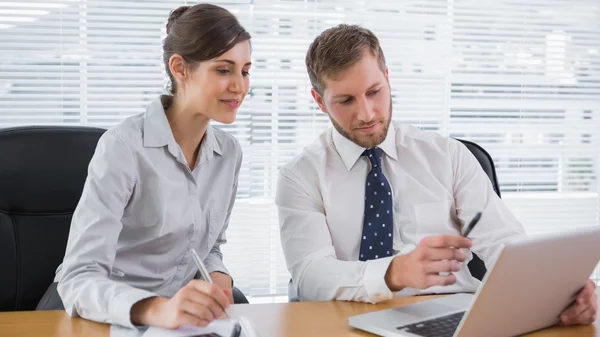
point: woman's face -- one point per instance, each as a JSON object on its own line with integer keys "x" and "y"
{"x": 216, "y": 88}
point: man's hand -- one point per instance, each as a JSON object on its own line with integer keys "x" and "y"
{"x": 198, "y": 303}
{"x": 225, "y": 282}
{"x": 421, "y": 268}
{"x": 585, "y": 308}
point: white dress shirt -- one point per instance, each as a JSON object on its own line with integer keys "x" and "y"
{"x": 437, "y": 188}
{"x": 140, "y": 212}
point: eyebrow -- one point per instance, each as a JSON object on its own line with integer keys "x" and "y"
{"x": 233, "y": 63}
{"x": 346, "y": 95}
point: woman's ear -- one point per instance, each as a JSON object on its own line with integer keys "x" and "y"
{"x": 178, "y": 67}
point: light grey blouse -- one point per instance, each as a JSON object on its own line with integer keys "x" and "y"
{"x": 141, "y": 210}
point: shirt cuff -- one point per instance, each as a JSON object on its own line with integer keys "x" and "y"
{"x": 374, "y": 280}
{"x": 120, "y": 307}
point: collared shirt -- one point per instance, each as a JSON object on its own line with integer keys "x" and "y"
{"x": 141, "y": 210}
{"x": 437, "y": 188}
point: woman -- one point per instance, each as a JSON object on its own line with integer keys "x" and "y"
{"x": 161, "y": 183}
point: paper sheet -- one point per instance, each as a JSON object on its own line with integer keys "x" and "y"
{"x": 218, "y": 328}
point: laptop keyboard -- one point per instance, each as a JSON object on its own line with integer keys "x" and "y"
{"x": 438, "y": 327}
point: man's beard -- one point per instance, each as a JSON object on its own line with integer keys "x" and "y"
{"x": 366, "y": 142}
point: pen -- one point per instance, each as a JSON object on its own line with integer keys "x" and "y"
{"x": 204, "y": 274}
{"x": 472, "y": 224}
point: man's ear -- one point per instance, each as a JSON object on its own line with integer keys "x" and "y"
{"x": 318, "y": 99}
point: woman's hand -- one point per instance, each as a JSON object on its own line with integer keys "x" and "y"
{"x": 198, "y": 303}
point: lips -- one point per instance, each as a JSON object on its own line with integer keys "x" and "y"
{"x": 232, "y": 103}
{"x": 368, "y": 127}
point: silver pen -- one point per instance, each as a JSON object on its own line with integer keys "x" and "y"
{"x": 201, "y": 268}
{"x": 204, "y": 274}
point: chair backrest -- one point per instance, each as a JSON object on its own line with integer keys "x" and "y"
{"x": 42, "y": 173}
{"x": 486, "y": 162}
{"x": 476, "y": 265}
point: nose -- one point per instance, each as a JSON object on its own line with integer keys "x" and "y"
{"x": 236, "y": 85}
{"x": 365, "y": 112}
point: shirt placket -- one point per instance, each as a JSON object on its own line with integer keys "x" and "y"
{"x": 191, "y": 239}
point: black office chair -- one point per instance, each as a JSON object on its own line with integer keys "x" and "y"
{"x": 42, "y": 173}
{"x": 476, "y": 265}
{"x": 486, "y": 162}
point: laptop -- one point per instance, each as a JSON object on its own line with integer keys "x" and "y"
{"x": 533, "y": 280}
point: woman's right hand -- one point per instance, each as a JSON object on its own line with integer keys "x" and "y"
{"x": 198, "y": 303}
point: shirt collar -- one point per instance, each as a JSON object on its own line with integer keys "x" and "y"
{"x": 350, "y": 151}
{"x": 209, "y": 146}
{"x": 158, "y": 133}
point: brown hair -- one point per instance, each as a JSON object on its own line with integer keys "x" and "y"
{"x": 337, "y": 49}
{"x": 199, "y": 33}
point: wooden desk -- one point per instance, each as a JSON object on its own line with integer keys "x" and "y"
{"x": 271, "y": 320}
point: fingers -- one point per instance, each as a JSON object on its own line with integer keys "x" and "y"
{"x": 572, "y": 312}
{"x": 205, "y": 301}
{"x": 198, "y": 304}
{"x": 198, "y": 310}
{"x": 587, "y": 317}
{"x": 584, "y": 310}
{"x": 437, "y": 254}
{"x": 584, "y": 317}
{"x": 447, "y": 240}
{"x": 437, "y": 267}
{"x": 439, "y": 280}
{"x": 213, "y": 291}
{"x": 189, "y": 319}
{"x": 586, "y": 293}
{"x": 229, "y": 294}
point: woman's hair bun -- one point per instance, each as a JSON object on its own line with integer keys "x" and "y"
{"x": 174, "y": 15}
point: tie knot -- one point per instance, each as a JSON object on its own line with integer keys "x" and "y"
{"x": 375, "y": 155}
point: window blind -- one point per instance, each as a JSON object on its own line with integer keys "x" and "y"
{"x": 520, "y": 79}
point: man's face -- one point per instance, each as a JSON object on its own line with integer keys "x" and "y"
{"x": 358, "y": 102}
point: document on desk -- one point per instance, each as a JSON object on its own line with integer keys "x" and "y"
{"x": 218, "y": 328}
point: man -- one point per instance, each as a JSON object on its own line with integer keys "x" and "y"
{"x": 374, "y": 208}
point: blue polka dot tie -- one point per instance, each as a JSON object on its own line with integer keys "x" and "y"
{"x": 377, "y": 238}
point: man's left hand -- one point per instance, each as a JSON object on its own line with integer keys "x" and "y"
{"x": 583, "y": 311}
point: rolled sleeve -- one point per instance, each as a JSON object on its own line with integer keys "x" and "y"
{"x": 374, "y": 280}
